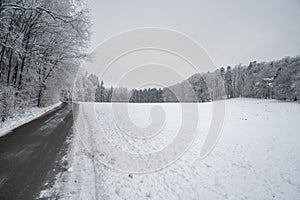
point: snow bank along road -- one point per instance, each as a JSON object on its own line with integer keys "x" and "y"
{"x": 28, "y": 154}
{"x": 257, "y": 156}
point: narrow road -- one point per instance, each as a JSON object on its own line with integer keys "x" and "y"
{"x": 29, "y": 153}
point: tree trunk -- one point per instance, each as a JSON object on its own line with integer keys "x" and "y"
{"x": 40, "y": 95}
{"x": 1, "y": 58}
{"x": 15, "y": 74}
{"x": 9, "y": 68}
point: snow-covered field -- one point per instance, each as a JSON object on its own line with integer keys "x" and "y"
{"x": 256, "y": 157}
{"x": 24, "y": 116}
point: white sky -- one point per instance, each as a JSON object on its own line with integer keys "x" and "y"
{"x": 231, "y": 31}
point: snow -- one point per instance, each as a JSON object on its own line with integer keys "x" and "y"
{"x": 23, "y": 117}
{"x": 70, "y": 169}
{"x": 256, "y": 157}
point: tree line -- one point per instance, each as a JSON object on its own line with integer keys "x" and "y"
{"x": 89, "y": 88}
{"x": 268, "y": 80}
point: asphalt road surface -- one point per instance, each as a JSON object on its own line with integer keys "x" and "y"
{"x": 29, "y": 154}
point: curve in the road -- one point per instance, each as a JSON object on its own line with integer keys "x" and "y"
{"x": 29, "y": 152}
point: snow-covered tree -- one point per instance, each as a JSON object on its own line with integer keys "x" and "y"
{"x": 42, "y": 44}
{"x": 228, "y": 83}
{"x": 100, "y": 95}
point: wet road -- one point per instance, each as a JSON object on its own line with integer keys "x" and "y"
{"x": 29, "y": 153}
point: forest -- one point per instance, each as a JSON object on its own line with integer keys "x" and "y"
{"x": 42, "y": 44}
{"x": 267, "y": 80}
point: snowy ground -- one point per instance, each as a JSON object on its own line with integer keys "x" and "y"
{"x": 257, "y": 156}
{"x": 23, "y": 117}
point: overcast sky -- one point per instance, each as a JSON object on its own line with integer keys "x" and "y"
{"x": 232, "y": 32}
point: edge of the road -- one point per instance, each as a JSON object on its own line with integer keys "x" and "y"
{"x": 50, "y": 147}
{"x": 6, "y": 130}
